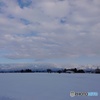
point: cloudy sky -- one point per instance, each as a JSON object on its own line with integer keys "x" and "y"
{"x": 61, "y": 31}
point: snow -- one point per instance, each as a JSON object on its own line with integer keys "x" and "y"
{"x": 34, "y": 66}
{"x": 43, "y": 66}
{"x": 44, "y": 86}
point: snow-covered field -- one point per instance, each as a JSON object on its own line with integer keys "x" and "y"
{"x": 44, "y": 86}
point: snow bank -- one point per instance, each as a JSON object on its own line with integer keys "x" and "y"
{"x": 37, "y": 86}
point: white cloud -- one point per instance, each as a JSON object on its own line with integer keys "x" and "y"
{"x": 55, "y": 9}
{"x": 55, "y": 29}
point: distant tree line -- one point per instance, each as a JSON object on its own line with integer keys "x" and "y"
{"x": 72, "y": 70}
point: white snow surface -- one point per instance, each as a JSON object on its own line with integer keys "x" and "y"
{"x": 45, "y": 86}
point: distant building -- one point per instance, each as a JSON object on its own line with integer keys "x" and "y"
{"x": 69, "y": 71}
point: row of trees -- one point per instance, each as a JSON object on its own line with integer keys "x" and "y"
{"x": 72, "y": 70}
{"x": 52, "y": 71}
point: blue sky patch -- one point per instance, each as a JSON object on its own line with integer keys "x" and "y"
{"x": 25, "y": 21}
{"x": 24, "y": 3}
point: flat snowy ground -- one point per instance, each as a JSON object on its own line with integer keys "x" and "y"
{"x": 42, "y": 86}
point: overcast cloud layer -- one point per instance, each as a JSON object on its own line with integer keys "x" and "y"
{"x": 43, "y": 29}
